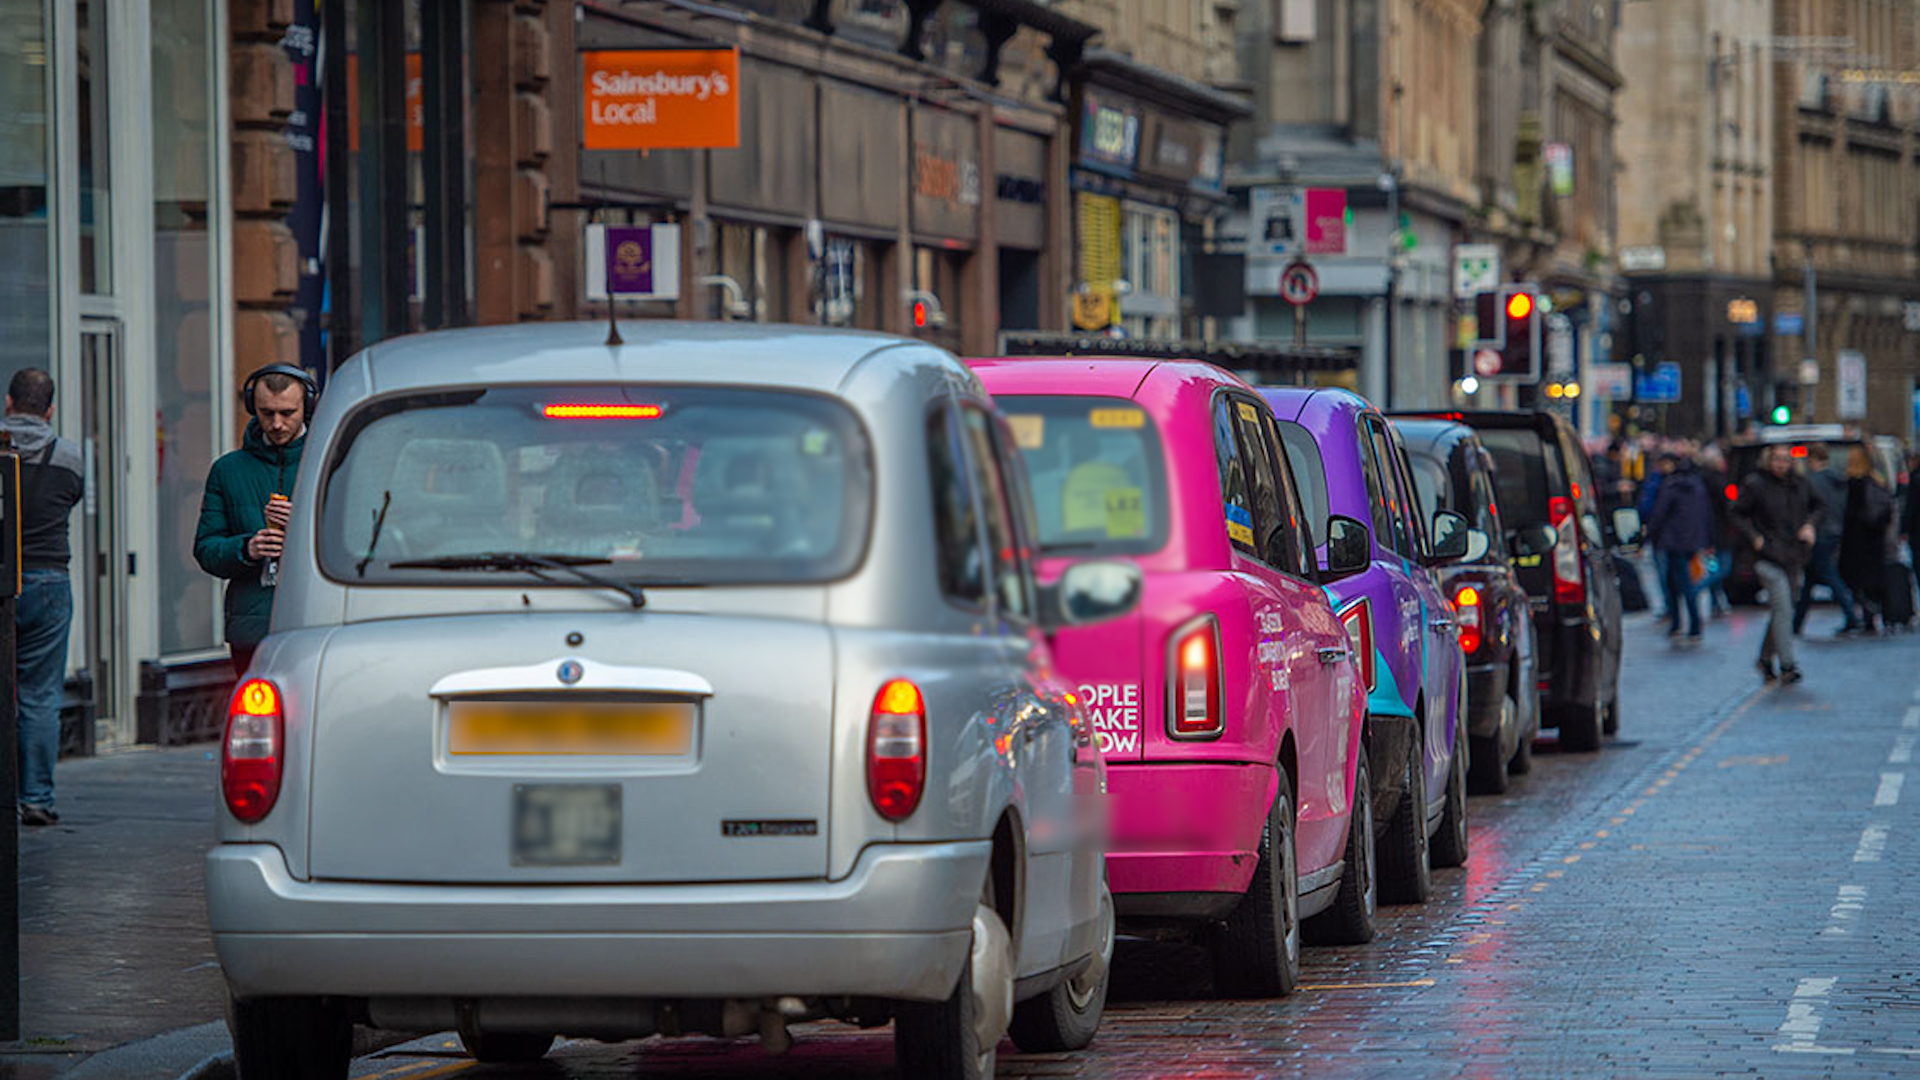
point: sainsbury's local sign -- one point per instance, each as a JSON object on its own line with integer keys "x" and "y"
{"x": 660, "y": 99}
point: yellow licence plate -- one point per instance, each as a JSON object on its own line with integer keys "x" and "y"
{"x": 546, "y": 727}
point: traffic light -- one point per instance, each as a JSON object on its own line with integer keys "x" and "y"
{"x": 1520, "y": 326}
{"x": 1509, "y": 320}
{"x": 1782, "y": 414}
{"x": 919, "y": 314}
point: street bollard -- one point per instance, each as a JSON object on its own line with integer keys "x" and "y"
{"x": 9, "y": 749}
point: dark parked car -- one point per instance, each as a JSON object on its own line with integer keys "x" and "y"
{"x": 1453, "y": 471}
{"x": 1541, "y": 477}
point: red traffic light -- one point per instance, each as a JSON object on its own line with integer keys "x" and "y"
{"x": 1519, "y": 305}
{"x": 920, "y": 314}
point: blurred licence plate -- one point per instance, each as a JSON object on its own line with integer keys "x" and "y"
{"x": 547, "y": 727}
{"x": 566, "y": 824}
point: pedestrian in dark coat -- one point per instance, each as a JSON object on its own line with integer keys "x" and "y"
{"x": 242, "y": 528}
{"x": 1776, "y": 514}
{"x": 1682, "y": 528}
{"x": 1864, "y": 537}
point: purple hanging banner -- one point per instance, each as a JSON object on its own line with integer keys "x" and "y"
{"x": 629, "y": 260}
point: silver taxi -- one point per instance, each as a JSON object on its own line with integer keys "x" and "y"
{"x": 694, "y": 684}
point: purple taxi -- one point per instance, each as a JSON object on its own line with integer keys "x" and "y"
{"x": 1349, "y": 464}
{"x": 1228, "y": 703}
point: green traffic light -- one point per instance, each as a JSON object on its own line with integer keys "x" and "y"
{"x": 1781, "y": 414}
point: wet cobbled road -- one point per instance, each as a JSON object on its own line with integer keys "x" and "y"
{"x": 1724, "y": 890}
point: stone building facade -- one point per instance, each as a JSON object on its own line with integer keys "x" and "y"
{"x": 1846, "y": 168}
{"x": 1696, "y": 207}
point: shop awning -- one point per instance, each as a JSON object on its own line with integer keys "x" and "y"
{"x": 1268, "y": 360}
{"x": 1104, "y": 67}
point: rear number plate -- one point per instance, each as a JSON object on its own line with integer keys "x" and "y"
{"x": 566, "y": 824}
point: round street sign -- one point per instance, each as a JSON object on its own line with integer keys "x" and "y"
{"x": 1486, "y": 362}
{"x": 1299, "y": 284}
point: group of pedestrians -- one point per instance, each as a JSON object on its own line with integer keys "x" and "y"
{"x": 1838, "y": 525}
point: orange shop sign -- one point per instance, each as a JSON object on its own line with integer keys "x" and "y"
{"x": 660, "y": 99}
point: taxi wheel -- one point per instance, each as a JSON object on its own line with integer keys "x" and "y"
{"x": 290, "y": 1038}
{"x": 505, "y": 1046}
{"x": 1350, "y": 921}
{"x": 1065, "y": 1017}
{"x": 1580, "y": 727}
{"x": 1486, "y": 771}
{"x": 1406, "y": 866}
{"x": 1522, "y": 762}
{"x": 1256, "y": 953}
{"x": 945, "y": 1040}
{"x": 1450, "y": 840}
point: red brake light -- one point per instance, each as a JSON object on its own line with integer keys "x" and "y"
{"x": 1194, "y": 694}
{"x": 253, "y": 754}
{"x": 600, "y": 412}
{"x": 1568, "y": 586}
{"x": 1466, "y": 613}
{"x": 897, "y": 750}
{"x": 1358, "y": 620}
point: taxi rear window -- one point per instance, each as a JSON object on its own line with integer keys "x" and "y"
{"x": 1098, "y": 478}
{"x": 672, "y": 485}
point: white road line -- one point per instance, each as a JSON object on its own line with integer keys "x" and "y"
{"x": 1873, "y": 841}
{"x": 1912, "y": 719}
{"x": 1889, "y": 792}
{"x": 1800, "y": 1031}
{"x": 1902, "y": 750}
{"x": 1847, "y": 906}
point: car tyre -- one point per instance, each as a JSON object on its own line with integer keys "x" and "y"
{"x": 1066, "y": 1017}
{"x": 1486, "y": 770}
{"x": 1522, "y": 761}
{"x": 1350, "y": 921}
{"x": 943, "y": 1040}
{"x": 505, "y": 1047}
{"x": 1611, "y": 726}
{"x": 1580, "y": 727}
{"x": 1450, "y": 839}
{"x": 1256, "y": 952}
{"x": 290, "y": 1038}
{"x": 1406, "y": 867}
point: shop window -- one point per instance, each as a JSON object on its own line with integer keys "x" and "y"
{"x": 25, "y": 331}
{"x": 753, "y": 260}
{"x": 92, "y": 72}
{"x": 1150, "y": 264}
{"x": 846, "y": 284}
{"x": 936, "y": 283}
{"x": 186, "y": 416}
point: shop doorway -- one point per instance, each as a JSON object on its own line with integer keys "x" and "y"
{"x": 101, "y": 571}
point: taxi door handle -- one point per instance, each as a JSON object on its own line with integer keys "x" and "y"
{"x": 1333, "y": 655}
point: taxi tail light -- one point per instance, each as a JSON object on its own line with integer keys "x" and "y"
{"x": 897, "y": 750}
{"x": 1195, "y": 694}
{"x": 253, "y": 754}
{"x": 1466, "y": 614}
{"x": 1568, "y": 586}
{"x": 1358, "y": 620}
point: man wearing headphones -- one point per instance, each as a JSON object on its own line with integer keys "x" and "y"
{"x": 243, "y": 526}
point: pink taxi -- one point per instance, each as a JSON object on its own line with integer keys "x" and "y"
{"x": 1226, "y": 704}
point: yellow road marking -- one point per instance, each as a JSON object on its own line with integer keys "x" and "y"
{"x": 410, "y": 1072}
{"x": 1367, "y": 985}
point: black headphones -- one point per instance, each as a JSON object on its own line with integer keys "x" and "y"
{"x": 291, "y": 372}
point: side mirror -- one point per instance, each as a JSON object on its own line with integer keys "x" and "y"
{"x": 1626, "y": 525}
{"x": 1349, "y": 551}
{"x": 1535, "y": 539}
{"x": 1091, "y": 592}
{"x": 1449, "y": 538}
{"x": 1478, "y": 544}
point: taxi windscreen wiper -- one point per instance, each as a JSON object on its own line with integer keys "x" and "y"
{"x": 534, "y": 564}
